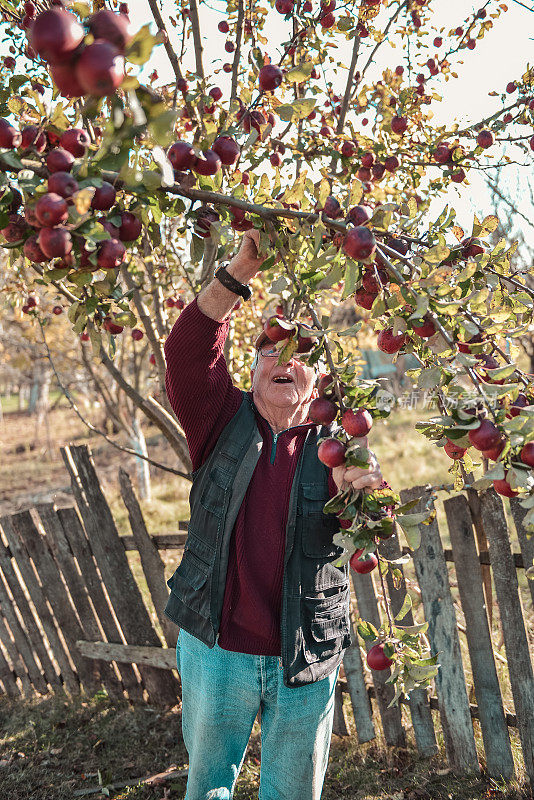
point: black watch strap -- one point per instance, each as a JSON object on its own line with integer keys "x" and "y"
{"x": 232, "y": 284}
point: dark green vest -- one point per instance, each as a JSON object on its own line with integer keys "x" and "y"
{"x": 315, "y": 627}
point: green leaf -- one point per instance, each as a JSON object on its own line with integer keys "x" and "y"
{"x": 140, "y": 48}
{"x": 299, "y": 109}
{"x": 406, "y": 606}
{"x": 299, "y": 73}
{"x": 367, "y": 630}
{"x": 162, "y": 127}
{"x": 350, "y": 279}
{"x": 436, "y": 254}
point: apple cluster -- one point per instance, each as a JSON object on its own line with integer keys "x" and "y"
{"x": 80, "y": 69}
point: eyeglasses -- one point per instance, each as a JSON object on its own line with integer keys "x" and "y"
{"x": 269, "y": 352}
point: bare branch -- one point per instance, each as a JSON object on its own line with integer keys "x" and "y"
{"x": 237, "y": 53}
{"x": 195, "y": 25}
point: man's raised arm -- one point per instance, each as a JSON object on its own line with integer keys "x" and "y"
{"x": 198, "y": 383}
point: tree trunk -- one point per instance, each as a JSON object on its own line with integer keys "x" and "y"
{"x": 138, "y": 444}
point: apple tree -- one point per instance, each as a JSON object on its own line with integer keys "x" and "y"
{"x": 122, "y": 193}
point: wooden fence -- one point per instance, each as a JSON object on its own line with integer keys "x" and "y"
{"x": 73, "y": 618}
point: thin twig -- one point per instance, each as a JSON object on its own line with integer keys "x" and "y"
{"x": 237, "y": 53}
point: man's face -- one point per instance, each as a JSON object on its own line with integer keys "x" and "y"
{"x": 283, "y": 386}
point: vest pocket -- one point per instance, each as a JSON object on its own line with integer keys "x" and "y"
{"x": 190, "y": 583}
{"x": 325, "y": 624}
{"x": 213, "y": 496}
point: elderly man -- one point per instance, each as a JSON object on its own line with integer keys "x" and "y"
{"x": 263, "y": 612}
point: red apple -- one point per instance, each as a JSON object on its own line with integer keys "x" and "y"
{"x": 55, "y": 242}
{"x": 270, "y": 77}
{"x": 63, "y": 184}
{"x": 322, "y": 411}
{"x": 503, "y": 488}
{"x": 357, "y": 423}
{"x": 486, "y": 436}
{"x": 15, "y": 229}
{"x": 284, "y": 6}
{"x": 377, "y": 659}
{"x": 332, "y": 208}
{"x": 454, "y": 451}
{"x": 59, "y": 160}
{"x": 442, "y": 153}
{"x": 55, "y": 35}
{"x": 368, "y": 159}
{"x": 373, "y": 284}
{"x": 57, "y": 310}
{"x": 33, "y": 136}
{"x": 104, "y": 197}
{"x": 494, "y": 452}
{"x": 391, "y": 163}
{"x": 181, "y": 155}
{"x": 399, "y": 125}
{"x": 111, "y": 326}
{"x": 114, "y": 28}
{"x": 131, "y": 227}
{"x": 76, "y": 141}
{"x": 51, "y": 209}
{"x": 388, "y": 342}
{"x": 359, "y": 243}
{"x": 426, "y": 330}
{"x": 110, "y": 254}
{"x": 207, "y": 163}
{"x": 9, "y": 136}
{"x": 485, "y": 139}
{"x": 527, "y": 454}
{"x": 223, "y": 26}
{"x": 364, "y": 298}
{"x": 359, "y": 215}
{"x": 363, "y": 565}
{"x": 65, "y": 79}
{"x": 137, "y": 334}
{"x": 33, "y": 252}
{"x": 331, "y": 452}
{"x": 515, "y": 408}
{"x": 100, "y": 68}
{"x": 216, "y": 93}
{"x": 227, "y": 149}
{"x": 276, "y": 332}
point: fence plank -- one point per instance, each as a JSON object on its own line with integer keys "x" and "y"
{"x": 368, "y": 610}
{"x": 16, "y": 659}
{"x": 56, "y": 592}
{"x": 8, "y": 679}
{"x": 162, "y": 686}
{"x": 361, "y": 705}
{"x": 29, "y": 576}
{"x": 34, "y": 634}
{"x": 482, "y": 543}
{"x": 80, "y": 547}
{"x": 151, "y": 561}
{"x": 339, "y": 725}
{"x": 499, "y": 758}
{"x": 21, "y": 640}
{"x": 78, "y": 591}
{"x": 526, "y": 545}
{"x": 433, "y": 579}
{"x": 423, "y": 724}
{"x": 513, "y": 624}
{"x": 160, "y": 657}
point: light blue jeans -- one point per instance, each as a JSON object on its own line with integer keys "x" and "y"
{"x": 222, "y": 692}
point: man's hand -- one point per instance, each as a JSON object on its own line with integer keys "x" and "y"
{"x": 366, "y": 478}
{"x": 246, "y": 263}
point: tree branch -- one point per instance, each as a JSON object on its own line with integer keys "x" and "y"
{"x": 237, "y": 53}
{"x": 195, "y": 25}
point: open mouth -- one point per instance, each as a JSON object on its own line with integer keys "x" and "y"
{"x": 283, "y": 379}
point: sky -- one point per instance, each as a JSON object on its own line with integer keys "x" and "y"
{"x": 497, "y": 59}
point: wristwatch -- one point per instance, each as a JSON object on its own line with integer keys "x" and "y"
{"x": 231, "y": 283}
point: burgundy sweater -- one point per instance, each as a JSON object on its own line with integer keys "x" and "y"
{"x": 202, "y": 395}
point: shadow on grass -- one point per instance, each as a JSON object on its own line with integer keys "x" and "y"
{"x": 51, "y": 747}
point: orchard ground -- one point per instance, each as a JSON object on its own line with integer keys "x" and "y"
{"x": 51, "y": 746}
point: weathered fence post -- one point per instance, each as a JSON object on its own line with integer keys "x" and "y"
{"x": 499, "y": 759}
{"x": 513, "y": 624}
{"x": 433, "y": 578}
{"x": 368, "y": 610}
{"x": 110, "y": 555}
